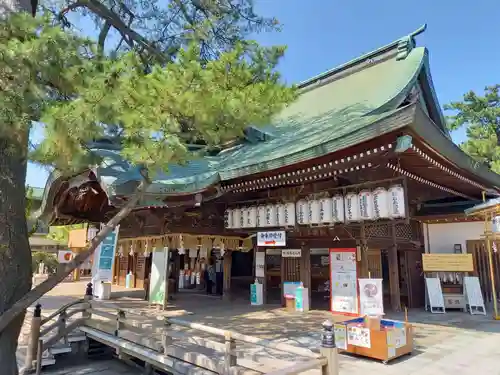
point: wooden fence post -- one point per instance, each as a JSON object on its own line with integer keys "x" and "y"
{"x": 229, "y": 356}
{"x": 166, "y": 340}
{"x": 61, "y": 325}
{"x": 31, "y": 351}
{"x": 88, "y": 297}
{"x": 329, "y": 350}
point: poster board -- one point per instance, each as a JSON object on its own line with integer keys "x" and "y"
{"x": 104, "y": 258}
{"x": 473, "y": 295}
{"x": 340, "y": 332}
{"x": 344, "y": 297}
{"x": 260, "y": 262}
{"x": 371, "y": 301}
{"x": 359, "y": 336}
{"x": 159, "y": 263}
{"x": 435, "y": 295}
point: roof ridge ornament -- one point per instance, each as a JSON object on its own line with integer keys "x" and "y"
{"x": 407, "y": 43}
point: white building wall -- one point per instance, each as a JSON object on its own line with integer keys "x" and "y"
{"x": 440, "y": 238}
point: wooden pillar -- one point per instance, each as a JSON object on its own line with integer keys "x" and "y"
{"x": 166, "y": 295}
{"x": 226, "y": 271}
{"x": 305, "y": 267}
{"x": 262, "y": 280}
{"x": 394, "y": 272}
{"x": 76, "y": 271}
{"x": 363, "y": 272}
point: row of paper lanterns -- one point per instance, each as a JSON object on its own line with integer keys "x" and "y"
{"x": 366, "y": 205}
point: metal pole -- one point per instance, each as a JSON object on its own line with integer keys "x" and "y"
{"x": 329, "y": 350}
{"x": 492, "y": 276}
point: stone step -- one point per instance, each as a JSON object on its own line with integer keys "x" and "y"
{"x": 60, "y": 348}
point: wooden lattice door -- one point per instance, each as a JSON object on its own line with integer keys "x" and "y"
{"x": 290, "y": 271}
{"x": 140, "y": 269}
{"x": 481, "y": 266}
{"x": 123, "y": 269}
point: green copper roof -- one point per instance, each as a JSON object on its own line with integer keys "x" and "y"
{"x": 343, "y": 107}
{"x": 327, "y": 117}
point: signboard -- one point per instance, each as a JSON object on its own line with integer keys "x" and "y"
{"x": 474, "y": 296}
{"x": 291, "y": 253}
{"x": 271, "y": 239}
{"x": 340, "y": 331}
{"x": 260, "y": 261}
{"x": 359, "y": 336}
{"x": 435, "y": 295}
{"x": 159, "y": 262}
{"x": 370, "y": 297}
{"x": 447, "y": 263}
{"x": 104, "y": 258}
{"x": 343, "y": 279}
{"x": 64, "y": 256}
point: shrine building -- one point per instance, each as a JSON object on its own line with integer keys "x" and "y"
{"x": 345, "y": 169}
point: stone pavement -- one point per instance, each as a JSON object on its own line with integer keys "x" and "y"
{"x": 453, "y": 343}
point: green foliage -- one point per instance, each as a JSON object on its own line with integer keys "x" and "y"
{"x": 29, "y": 205}
{"x": 49, "y": 260}
{"x": 481, "y": 117}
{"x": 58, "y": 78}
{"x": 159, "y": 29}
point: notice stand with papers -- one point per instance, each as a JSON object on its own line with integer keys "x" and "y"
{"x": 435, "y": 300}
{"x": 475, "y": 302}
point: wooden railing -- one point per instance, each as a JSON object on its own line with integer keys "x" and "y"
{"x": 172, "y": 342}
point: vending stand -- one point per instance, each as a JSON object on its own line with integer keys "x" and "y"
{"x": 366, "y": 334}
{"x": 379, "y": 339}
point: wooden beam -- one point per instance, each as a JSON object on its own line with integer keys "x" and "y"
{"x": 226, "y": 267}
{"x": 394, "y": 273}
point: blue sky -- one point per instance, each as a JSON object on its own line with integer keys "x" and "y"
{"x": 321, "y": 34}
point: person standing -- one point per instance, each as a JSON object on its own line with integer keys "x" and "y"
{"x": 210, "y": 276}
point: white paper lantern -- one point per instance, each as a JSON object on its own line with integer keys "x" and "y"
{"x": 290, "y": 214}
{"x": 252, "y": 217}
{"x": 244, "y": 217}
{"x": 351, "y": 207}
{"x": 338, "y": 209}
{"x": 396, "y": 200}
{"x": 301, "y": 209}
{"x": 236, "y": 218}
{"x": 313, "y": 211}
{"x": 365, "y": 198}
{"x": 228, "y": 218}
{"x": 380, "y": 203}
{"x": 270, "y": 219}
{"x": 261, "y": 216}
{"x": 280, "y": 214}
{"x": 325, "y": 210}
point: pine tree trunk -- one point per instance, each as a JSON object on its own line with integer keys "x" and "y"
{"x": 34, "y": 295}
{"x": 15, "y": 253}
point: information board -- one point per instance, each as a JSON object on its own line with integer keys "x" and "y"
{"x": 447, "y": 263}
{"x": 104, "y": 258}
{"x": 159, "y": 263}
{"x": 435, "y": 295}
{"x": 474, "y": 296}
{"x": 371, "y": 299}
{"x": 343, "y": 281}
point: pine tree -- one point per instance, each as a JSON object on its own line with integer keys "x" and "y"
{"x": 481, "y": 117}
{"x": 80, "y": 94}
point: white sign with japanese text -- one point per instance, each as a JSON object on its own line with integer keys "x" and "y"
{"x": 271, "y": 239}
{"x": 291, "y": 253}
{"x": 260, "y": 263}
